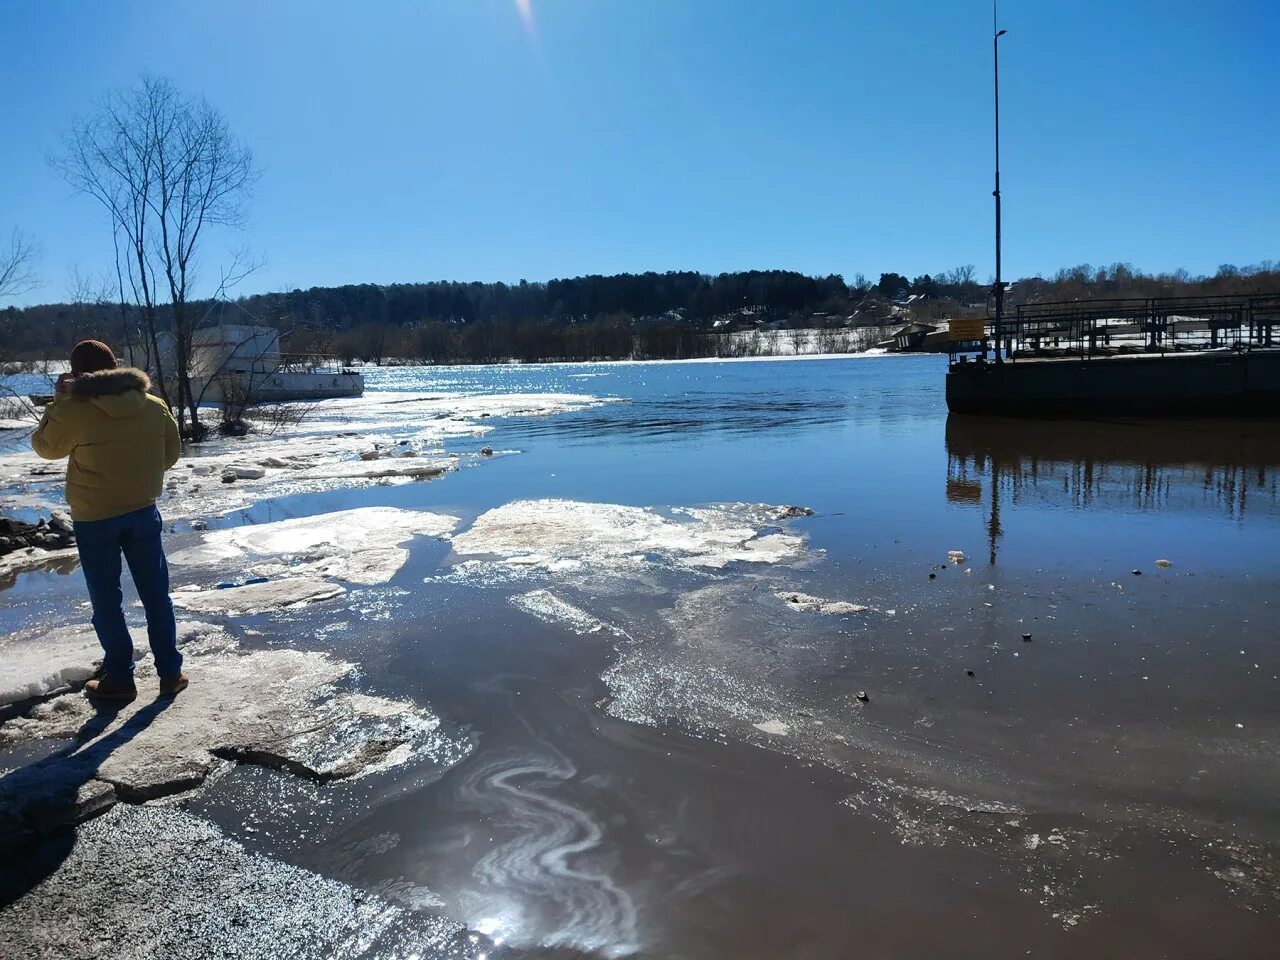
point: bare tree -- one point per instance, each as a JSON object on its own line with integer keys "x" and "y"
{"x": 165, "y": 167}
{"x": 17, "y": 274}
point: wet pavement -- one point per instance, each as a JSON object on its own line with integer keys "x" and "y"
{"x": 1053, "y": 754}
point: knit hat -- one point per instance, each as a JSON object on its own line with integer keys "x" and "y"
{"x": 90, "y": 356}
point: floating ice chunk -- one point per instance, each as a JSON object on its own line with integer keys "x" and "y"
{"x": 244, "y": 471}
{"x": 37, "y": 558}
{"x": 804, "y": 603}
{"x": 549, "y": 608}
{"x": 379, "y": 468}
{"x": 601, "y": 536}
{"x": 258, "y": 597}
{"x": 359, "y": 546}
{"x": 775, "y": 728}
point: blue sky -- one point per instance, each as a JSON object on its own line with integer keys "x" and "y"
{"x": 452, "y": 139}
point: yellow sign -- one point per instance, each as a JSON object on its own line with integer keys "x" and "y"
{"x": 972, "y": 329}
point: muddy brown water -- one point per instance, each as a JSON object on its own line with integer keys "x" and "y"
{"x": 1106, "y": 788}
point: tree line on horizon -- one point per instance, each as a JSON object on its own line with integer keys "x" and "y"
{"x": 648, "y": 315}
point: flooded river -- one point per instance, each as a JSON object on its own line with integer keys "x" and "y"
{"x": 967, "y": 687}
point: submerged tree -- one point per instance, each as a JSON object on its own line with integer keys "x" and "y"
{"x": 165, "y": 167}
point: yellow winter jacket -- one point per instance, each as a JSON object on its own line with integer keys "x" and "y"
{"x": 120, "y": 440}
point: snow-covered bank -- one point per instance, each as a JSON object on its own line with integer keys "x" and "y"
{"x": 377, "y": 439}
{"x": 279, "y": 708}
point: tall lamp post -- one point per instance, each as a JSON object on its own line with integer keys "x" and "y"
{"x": 999, "y": 286}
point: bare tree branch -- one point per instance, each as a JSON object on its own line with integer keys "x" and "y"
{"x": 17, "y": 273}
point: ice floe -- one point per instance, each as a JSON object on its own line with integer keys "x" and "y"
{"x": 571, "y": 535}
{"x": 804, "y": 603}
{"x": 36, "y": 558}
{"x": 549, "y": 608}
{"x": 254, "y": 598}
{"x": 39, "y": 663}
{"x": 357, "y": 546}
{"x": 295, "y": 561}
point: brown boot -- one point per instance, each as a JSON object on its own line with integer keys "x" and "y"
{"x": 104, "y": 688}
{"x": 171, "y": 686}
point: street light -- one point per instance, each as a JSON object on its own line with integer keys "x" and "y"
{"x": 999, "y": 287}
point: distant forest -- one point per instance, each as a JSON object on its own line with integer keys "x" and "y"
{"x": 648, "y": 315}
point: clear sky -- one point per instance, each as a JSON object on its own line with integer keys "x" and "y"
{"x": 404, "y": 140}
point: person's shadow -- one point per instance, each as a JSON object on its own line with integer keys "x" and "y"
{"x": 41, "y": 802}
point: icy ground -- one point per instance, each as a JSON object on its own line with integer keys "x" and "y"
{"x": 183, "y": 891}
{"x": 287, "y": 709}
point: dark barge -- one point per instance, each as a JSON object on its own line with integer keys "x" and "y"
{"x": 1172, "y": 356}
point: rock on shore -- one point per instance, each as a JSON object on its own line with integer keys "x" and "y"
{"x": 55, "y": 533}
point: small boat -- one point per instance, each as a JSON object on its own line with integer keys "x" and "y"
{"x": 235, "y": 363}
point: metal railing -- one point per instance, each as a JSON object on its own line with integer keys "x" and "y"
{"x": 1107, "y": 327}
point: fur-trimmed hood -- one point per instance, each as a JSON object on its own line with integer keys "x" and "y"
{"x": 119, "y": 393}
{"x": 106, "y": 383}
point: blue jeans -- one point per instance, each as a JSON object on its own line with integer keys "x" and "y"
{"x": 137, "y": 536}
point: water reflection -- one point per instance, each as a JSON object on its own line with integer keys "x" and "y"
{"x": 1215, "y": 468}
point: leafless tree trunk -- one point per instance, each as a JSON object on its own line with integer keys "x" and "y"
{"x": 165, "y": 167}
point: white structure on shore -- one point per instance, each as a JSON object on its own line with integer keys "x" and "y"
{"x": 235, "y": 363}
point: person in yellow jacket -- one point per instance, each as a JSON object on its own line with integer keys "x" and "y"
{"x": 120, "y": 440}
